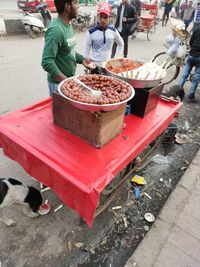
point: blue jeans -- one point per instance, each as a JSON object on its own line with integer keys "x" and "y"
{"x": 191, "y": 62}
{"x": 52, "y": 87}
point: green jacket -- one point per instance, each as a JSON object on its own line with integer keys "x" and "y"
{"x": 59, "y": 54}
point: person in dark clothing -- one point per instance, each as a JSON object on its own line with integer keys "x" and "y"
{"x": 167, "y": 10}
{"x": 126, "y": 18}
{"x": 193, "y": 60}
{"x": 137, "y": 6}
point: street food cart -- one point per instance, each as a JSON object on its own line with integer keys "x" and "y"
{"x": 75, "y": 170}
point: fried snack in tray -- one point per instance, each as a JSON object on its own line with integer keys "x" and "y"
{"x": 113, "y": 90}
{"x": 182, "y": 34}
{"x": 148, "y": 71}
{"x": 122, "y": 64}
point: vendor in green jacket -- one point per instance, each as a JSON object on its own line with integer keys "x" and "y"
{"x": 59, "y": 57}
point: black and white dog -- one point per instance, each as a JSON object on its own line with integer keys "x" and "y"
{"x": 13, "y": 191}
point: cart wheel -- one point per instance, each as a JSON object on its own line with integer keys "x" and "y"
{"x": 172, "y": 70}
{"x": 150, "y": 33}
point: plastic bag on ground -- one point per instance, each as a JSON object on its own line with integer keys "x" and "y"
{"x": 159, "y": 159}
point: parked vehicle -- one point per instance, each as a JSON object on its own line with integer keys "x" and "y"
{"x": 35, "y": 25}
{"x": 114, "y": 3}
{"x": 30, "y": 5}
{"x": 81, "y": 22}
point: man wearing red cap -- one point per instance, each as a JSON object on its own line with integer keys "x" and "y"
{"x": 126, "y": 18}
{"x": 100, "y": 38}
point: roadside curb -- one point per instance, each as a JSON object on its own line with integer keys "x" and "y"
{"x": 147, "y": 253}
{"x": 11, "y": 27}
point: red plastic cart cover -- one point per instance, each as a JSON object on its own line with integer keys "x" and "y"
{"x": 149, "y": 6}
{"x": 145, "y": 16}
{"x": 75, "y": 170}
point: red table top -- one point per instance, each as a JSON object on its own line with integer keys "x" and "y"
{"x": 147, "y": 16}
{"x": 149, "y": 6}
{"x": 75, "y": 170}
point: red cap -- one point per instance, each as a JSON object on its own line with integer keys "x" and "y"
{"x": 105, "y": 8}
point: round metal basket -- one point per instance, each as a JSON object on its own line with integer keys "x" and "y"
{"x": 136, "y": 83}
{"x": 95, "y": 107}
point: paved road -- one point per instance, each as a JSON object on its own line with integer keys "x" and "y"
{"x": 9, "y": 7}
{"x": 8, "y": 4}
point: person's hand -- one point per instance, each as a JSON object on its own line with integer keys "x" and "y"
{"x": 124, "y": 19}
{"x": 88, "y": 63}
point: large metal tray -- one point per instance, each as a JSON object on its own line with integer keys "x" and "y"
{"x": 94, "y": 107}
{"x": 136, "y": 83}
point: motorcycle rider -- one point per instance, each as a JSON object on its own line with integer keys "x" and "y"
{"x": 59, "y": 58}
{"x": 100, "y": 38}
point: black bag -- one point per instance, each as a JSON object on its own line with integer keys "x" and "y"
{"x": 132, "y": 27}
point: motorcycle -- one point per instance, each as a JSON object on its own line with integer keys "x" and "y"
{"x": 35, "y": 25}
{"x": 81, "y": 22}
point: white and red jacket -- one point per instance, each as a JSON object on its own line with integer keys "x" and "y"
{"x": 99, "y": 42}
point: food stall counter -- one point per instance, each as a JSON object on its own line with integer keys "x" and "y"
{"x": 75, "y": 170}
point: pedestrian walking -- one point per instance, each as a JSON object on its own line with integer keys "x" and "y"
{"x": 188, "y": 14}
{"x": 137, "y": 6}
{"x": 183, "y": 5}
{"x": 59, "y": 58}
{"x": 100, "y": 38}
{"x": 167, "y": 10}
{"x": 125, "y": 24}
{"x": 177, "y": 8}
{"x": 193, "y": 61}
{"x": 197, "y": 17}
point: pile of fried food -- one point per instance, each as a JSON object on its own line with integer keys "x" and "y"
{"x": 113, "y": 90}
{"x": 148, "y": 71}
{"x": 122, "y": 64}
{"x": 133, "y": 69}
{"x": 181, "y": 32}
